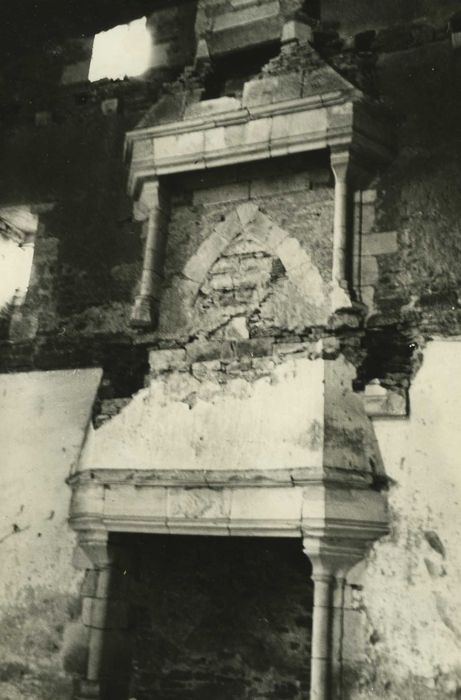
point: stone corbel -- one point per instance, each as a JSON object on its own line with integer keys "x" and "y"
{"x": 331, "y": 558}
{"x": 153, "y": 207}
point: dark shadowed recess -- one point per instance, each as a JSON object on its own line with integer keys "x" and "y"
{"x": 222, "y": 618}
{"x": 36, "y": 21}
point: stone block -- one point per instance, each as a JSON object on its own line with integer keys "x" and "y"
{"x": 289, "y": 252}
{"x": 380, "y": 243}
{"x": 369, "y": 196}
{"x": 199, "y": 504}
{"x": 239, "y": 4}
{"x": 210, "y": 107}
{"x": 296, "y": 31}
{"x": 225, "y": 193}
{"x": 215, "y": 140}
{"x": 198, "y": 265}
{"x": 109, "y": 106}
{"x": 254, "y": 347}
{"x": 221, "y": 281}
{"x": 239, "y": 36}
{"x": 164, "y": 147}
{"x": 206, "y": 371}
{"x": 246, "y": 213}
{"x": 237, "y": 329}
{"x": 87, "y": 606}
{"x": 257, "y": 131}
{"x": 268, "y": 187}
{"x": 367, "y": 294}
{"x": 166, "y": 360}
{"x": 367, "y": 217}
{"x": 202, "y": 350}
{"x": 190, "y": 142}
{"x": 380, "y": 401}
{"x": 246, "y": 15}
{"x": 133, "y": 502}
{"x": 277, "y": 505}
{"x": 227, "y": 265}
{"x": 142, "y": 149}
{"x": 298, "y": 124}
{"x": 288, "y": 87}
{"x": 369, "y": 271}
{"x": 259, "y": 92}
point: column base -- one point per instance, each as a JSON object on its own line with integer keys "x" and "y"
{"x": 143, "y": 314}
{"x": 88, "y": 690}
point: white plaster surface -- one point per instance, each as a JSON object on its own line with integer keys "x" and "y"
{"x": 43, "y": 419}
{"x": 181, "y": 422}
{"x": 207, "y": 420}
{"x": 412, "y": 593}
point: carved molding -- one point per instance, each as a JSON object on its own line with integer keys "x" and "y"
{"x": 254, "y": 133}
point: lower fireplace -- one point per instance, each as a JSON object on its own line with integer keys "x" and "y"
{"x": 218, "y": 618}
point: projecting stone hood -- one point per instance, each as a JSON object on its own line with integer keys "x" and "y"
{"x": 279, "y": 446}
{"x": 280, "y": 114}
{"x": 227, "y": 131}
{"x": 275, "y": 448}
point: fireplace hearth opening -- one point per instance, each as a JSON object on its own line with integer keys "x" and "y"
{"x": 218, "y": 618}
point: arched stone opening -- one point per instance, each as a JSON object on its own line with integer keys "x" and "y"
{"x": 247, "y": 269}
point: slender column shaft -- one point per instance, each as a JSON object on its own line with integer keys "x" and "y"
{"x": 339, "y": 163}
{"x": 98, "y": 625}
{"x": 340, "y": 231}
{"x": 337, "y": 636}
{"x": 321, "y": 637}
{"x": 152, "y": 245}
{"x": 144, "y": 312}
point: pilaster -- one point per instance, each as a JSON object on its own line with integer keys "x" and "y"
{"x": 331, "y": 558}
{"x": 104, "y": 608}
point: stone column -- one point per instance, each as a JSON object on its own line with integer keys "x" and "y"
{"x": 331, "y": 559}
{"x": 97, "y": 606}
{"x": 154, "y": 203}
{"x": 340, "y": 161}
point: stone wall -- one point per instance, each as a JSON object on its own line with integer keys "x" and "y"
{"x": 403, "y": 627}
{"x": 245, "y": 283}
{"x": 42, "y": 644}
{"x": 62, "y": 150}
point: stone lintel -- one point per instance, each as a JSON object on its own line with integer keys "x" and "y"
{"x": 320, "y": 512}
{"x": 332, "y": 120}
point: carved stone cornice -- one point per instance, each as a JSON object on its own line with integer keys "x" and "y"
{"x": 253, "y": 133}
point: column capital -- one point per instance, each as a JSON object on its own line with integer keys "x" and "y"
{"x": 95, "y": 544}
{"x": 333, "y": 557}
{"x": 154, "y": 195}
{"x": 340, "y": 160}
{"x": 348, "y": 164}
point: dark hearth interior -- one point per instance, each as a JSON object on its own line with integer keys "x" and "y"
{"x": 219, "y": 618}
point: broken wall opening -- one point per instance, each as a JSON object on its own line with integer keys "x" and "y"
{"x": 219, "y": 618}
